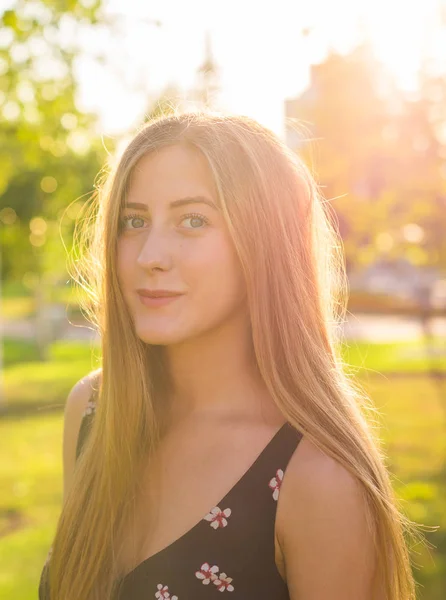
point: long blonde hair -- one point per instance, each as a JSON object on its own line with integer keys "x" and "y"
{"x": 292, "y": 259}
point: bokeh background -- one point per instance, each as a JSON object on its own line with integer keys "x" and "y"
{"x": 358, "y": 89}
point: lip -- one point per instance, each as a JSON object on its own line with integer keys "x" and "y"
{"x": 157, "y": 293}
{"x": 157, "y": 301}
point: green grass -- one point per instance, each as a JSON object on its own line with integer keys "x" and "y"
{"x": 22, "y": 305}
{"x": 412, "y": 428}
{"x": 31, "y": 457}
{"x": 414, "y": 356}
{"x": 411, "y": 422}
{"x": 31, "y": 476}
{"x": 17, "y": 351}
{"x": 38, "y": 384}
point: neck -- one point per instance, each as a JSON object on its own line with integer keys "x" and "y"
{"x": 214, "y": 375}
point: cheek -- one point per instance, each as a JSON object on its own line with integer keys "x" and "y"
{"x": 124, "y": 263}
{"x": 216, "y": 271}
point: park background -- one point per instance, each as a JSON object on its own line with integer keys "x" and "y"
{"x": 357, "y": 89}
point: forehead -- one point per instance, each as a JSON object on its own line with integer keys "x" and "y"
{"x": 170, "y": 172}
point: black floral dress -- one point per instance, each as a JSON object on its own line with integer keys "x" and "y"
{"x": 230, "y": 550}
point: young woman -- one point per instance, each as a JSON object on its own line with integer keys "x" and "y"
{"x": 227, "y": 449}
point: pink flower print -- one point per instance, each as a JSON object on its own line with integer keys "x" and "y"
{"x": 90, "y": 408}
{"x": 163, "y": 593}
{"x": 218, "y": 517}
{"x": 207, "y": 573}
{"x": 275, "y": 483}
{"x": 223, "y": 582}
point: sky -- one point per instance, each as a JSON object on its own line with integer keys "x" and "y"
{"x": 260, "y": 49}
{"x": 262, "y": 54}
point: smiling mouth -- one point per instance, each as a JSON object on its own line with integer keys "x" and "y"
{"x": 157, "y": 301}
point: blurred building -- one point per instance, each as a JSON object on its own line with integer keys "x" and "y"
{"x": 293, "y": 107}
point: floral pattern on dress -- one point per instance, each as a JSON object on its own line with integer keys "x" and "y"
{"x": 275, "y": 483}
{"x": 163, "y": 593}
{"x": 208, "y": 574}
{"x": 217, "y": 517}
{"x": 223, "y": 582}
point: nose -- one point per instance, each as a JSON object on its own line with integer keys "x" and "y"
{"x": 155, "y": 253}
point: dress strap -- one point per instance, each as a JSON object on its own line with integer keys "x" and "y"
{"x": 268, "y": 470}
{"x": 253, "y": 501}
{"x": 87, "y": 420}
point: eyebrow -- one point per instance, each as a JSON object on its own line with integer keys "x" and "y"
{"x": 175, "y": 203}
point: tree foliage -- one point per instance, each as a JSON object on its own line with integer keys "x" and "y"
{"x": 49, "y": 154}
{"x": 380, "y": 157}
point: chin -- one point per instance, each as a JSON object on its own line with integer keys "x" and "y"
{"x": 158, "y": 337}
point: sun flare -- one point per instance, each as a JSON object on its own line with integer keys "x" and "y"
{"x": 404, "y": 34}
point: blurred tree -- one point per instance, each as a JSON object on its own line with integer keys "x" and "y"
{"x": 345, "y": 111}
{"x": 49, "y": 155}
{"x": 380, "y": 156}
{"x": 419, "y": 174}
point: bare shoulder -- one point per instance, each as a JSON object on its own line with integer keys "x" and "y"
{"x": 322, "y": 528}
{"x": 312, "y": 466}
{"x": 75, "y": 407}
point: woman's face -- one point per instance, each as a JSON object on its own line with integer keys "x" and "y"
{"x": 171, "y": 239}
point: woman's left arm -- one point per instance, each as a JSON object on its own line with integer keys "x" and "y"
{"x": 322, "y": 530}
